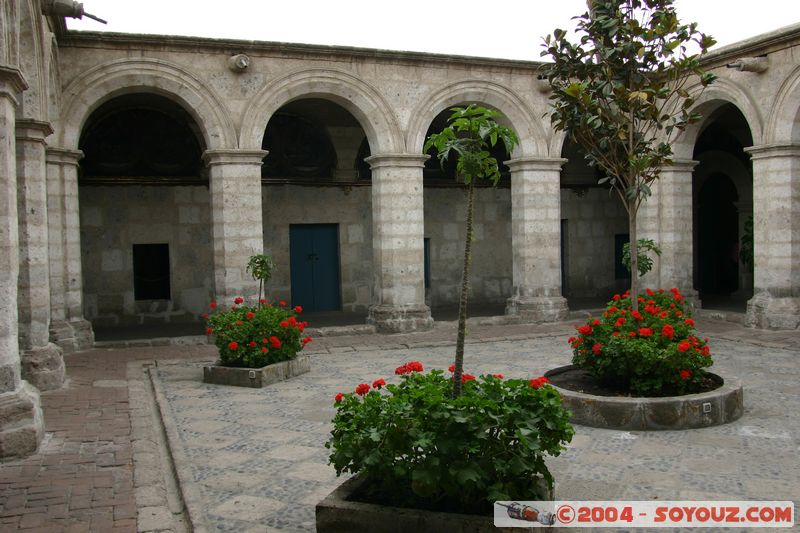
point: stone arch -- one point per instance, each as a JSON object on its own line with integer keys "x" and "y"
{"x": 783, "y": 123}
{"x": 125, "y": 76}
{"x": 531, "y": 134}
{"x": 362, "y": 100}
{"x": 33, "y": 104}
{"x": 721, "y": 92}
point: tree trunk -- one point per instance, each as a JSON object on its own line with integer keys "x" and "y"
{"x": 462, "y": 304}
{"x": 634, "y": 249}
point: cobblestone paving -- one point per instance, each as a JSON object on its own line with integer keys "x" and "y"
{"x": 256, "y": 458}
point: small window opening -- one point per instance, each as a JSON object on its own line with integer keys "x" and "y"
{"x": 151, "y": 271}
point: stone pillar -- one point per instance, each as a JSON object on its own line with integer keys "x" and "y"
{"x": 21, "y": 423}
{"x": 42, "y": 361}
{"x": 536, "y": 240}
{"x": 776, "y": 220}
{"x": 68, "y": 328}
{"x": 398, "y": 224}
{"x": 236, "y": 220}
{"x": 675, "y": 236}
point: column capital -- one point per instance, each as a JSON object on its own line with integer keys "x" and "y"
{"x": 536, "y": 163}
{"x": 397, "y": 160}
{"x": 32, "y": 130}
{"x": 62, "y": 156}
{"x": 765, "y": 151}
{"x": 234, "y": 157}
{"x": 681, "y": 165}
{"x": 12, "y": 81}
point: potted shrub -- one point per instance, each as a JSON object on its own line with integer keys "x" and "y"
{"x": 426, "y": 460}
{"x": 258, "y": 344}
{"x": 645, "y": 369}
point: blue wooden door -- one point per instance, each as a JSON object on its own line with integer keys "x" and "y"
{"x": 314, "y": 266}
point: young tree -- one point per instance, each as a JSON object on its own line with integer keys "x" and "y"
{"x": 620, "y": 92}
{"x": 471, "y": 132}
{"x": 260, "y": 267}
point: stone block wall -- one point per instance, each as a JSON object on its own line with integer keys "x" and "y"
{"x": 113, "y": 219}
{"x": 593, "y": 219}
{"x": 349, "y": 207}
{"x": 445, "y": 226}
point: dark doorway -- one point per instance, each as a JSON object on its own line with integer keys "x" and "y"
{"x": 151, "y": 272}
{"x": 718, "y": 237}
{"x": 314, "y": 266}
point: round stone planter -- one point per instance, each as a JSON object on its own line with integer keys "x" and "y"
{"x": 340, "y": 512}
{"x": 719, "y": 406}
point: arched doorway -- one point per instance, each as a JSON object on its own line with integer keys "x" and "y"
{"x": 723, "y": 207}
{"x": 445, "y": 201}
{"x": 317, "y": 212}
{"x": 145, "y": 215}
{"x": 594, "y": 227}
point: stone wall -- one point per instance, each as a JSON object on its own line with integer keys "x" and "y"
{"x": 445, "y": 226}
{"x": 593, "y": 219}
{"x": 349, "y": 207}
{"x": 113, "y": 219}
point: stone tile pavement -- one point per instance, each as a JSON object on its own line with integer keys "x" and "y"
{"x": 253, "y": 460}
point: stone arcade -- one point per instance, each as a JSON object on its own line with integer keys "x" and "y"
{"x": 139, "y": 173}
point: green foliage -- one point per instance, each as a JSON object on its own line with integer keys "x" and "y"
{"x": 256, "y": 336}
{"x": 651, "y": 353}
{"x": 621, "y": 92}
{"x": 747, "y": 249}
{"x": 645, "y": 264}
{"x": 260, "y": 267}
{"x": 416, "y": 443}
{"x": 470, "y": 132}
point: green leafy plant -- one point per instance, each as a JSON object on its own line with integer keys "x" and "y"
{"x": 255, "y": 336}
{"x": 420, "y": 447}
{"x": 621, "y": 93}
{"x": 644, "y": 263}
{"x": 655, "y": 352}
{"x": 747, "y": 248}
{"x": 470, "y": 133}
{"x": 260, "y": 267}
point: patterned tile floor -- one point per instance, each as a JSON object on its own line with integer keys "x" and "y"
{"x": 255, "y": 459}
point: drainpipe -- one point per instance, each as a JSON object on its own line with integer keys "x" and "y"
{"x": 67, "y": 8}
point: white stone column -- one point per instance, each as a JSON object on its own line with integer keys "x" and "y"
{"x": 536, "y": 240}
{"x": 236, "y": 227}
{"x": 674, "y": 199}
{"x": 776, "y": 221}
{"x": 42, "y": 361}
{"x": 398, "y": 224}
{"x": 68, "y": 327}
{"x": 21, "y": 423}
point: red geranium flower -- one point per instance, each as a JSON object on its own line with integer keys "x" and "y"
{"x": 264, "y": 349}
{"x": 233, "y": 345}
{"x": 284, "y": 324}
{"x": 685, "y": 374}
{"x": 276, "y": 342}
{"x": 645, "y": 332}
{"x": 238, "y": 300}
{"x": 307, "y": 340}
{"x": 705, "y": 350}
{"x": 298, "y": 309}
{"x": 282, "y": 303}
{"x": 204, "y": 315}
{"x": 213, "y": 305}
{"x": 378, "y": 383}
{"x": 683, "y": 346}
{"x": 362, "y": 389}
{"x": 668, "y": 331}
{"x": 250, "y": 315}
{"x": 615, "y": 334}
{"x": 596, "y": 323}
{"x": 689, "y": 322}
{"x": 615, "y": 297}
{"x": 585, "y": 329}
{"x": 338, "y": 398}
{"x": 597, "y": 348}
{"x": 414, "y": 366}
{"x": 498, "y": 376}
{"x": 538, "y": 382}
{"x": 466, "y": 377}
{"x": 620, "y": 321}
{"x": 209, "y": 331}
{"x": 262, "y": 301}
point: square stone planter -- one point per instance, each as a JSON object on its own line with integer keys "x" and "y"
{"x": 256, "y": 377}
{"x": 340, "y": 513}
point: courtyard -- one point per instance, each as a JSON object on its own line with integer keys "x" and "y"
{"x": 136, "y": 441}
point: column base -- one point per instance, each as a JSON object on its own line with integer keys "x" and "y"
{"x": 768, "y": 312}
{"x": 72, "y": 336}
{"x": 538, "y": 309}
{"x": 43, "y": 367}
{"x": 21, "y": 422}
{"x": 400, "y": 319}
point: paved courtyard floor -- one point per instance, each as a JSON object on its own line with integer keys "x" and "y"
{"x": 232, "y": 459}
